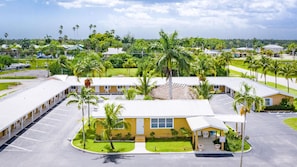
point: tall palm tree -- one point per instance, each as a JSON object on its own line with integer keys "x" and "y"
{"x": 265, "y": 63}
{"x": 111, "y": 121}
{"x": 248, "y": 60}
{"x": 275, "y": 68}
{"x": 6, "y": 35}
{"x": 227, "y": 58}
{"x": 77, "y": 27}
{"x": 81, "y": 99}
{"x": 247, "y": 98}
{"x": 288, "y": 71}
{"x": 74, "y": 28}
{"x": 171, "y": 53}
{"x": 202, "y": 65}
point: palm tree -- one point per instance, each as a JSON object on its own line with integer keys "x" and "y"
{"x": 288, "y": 71}
{"x": 249, "y": 59}
{"x": 112, "y": 121}
{"x": 227, "y": 58}
{"x": 264, "y": 63}
{"x": 145, "y": 86}
{"x": 107, "y": 65}
{"x": 130, "y": 93}
{"x": 203, "y": 90}
{"x": 275, "y": 68}
{"x": 73, "y": 28}
{"x": 203, "y": 65}
{"x": 248, "y": 99}
{"x": 6, "y": 35}
{"x": 130, "y": 63}
{"x": 81, "y": 99}
{"x": 171, "y": 53}
{"x": 77, "y": 27}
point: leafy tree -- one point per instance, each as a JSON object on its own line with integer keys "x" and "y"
{"x": 246, "y": 98}
{"x": 130, "y": 63}
{"x": 111, "y": 121}
{"x": 81, "y": 100}
{"x": 203, "y": 65}
{"x": 107, "y": 65}
{"x": 88, "y": 63}
{"x": 171, "y": 53}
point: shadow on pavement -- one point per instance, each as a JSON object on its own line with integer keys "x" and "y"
{"x": 113, "y": 158}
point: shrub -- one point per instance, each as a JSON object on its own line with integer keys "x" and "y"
{"x": 174, "y": 133}
{"x": 128, "y": 136}
{"x": 119, "y": 136}
{"x": 152, "y": 134}
{"x": 186, "y": 132}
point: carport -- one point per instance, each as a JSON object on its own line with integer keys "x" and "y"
{"x": 205, "y": 125}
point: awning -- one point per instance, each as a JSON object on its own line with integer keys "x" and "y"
{"x": 199, "y": 123}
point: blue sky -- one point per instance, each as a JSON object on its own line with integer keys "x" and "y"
{"x": 225, "y": 19}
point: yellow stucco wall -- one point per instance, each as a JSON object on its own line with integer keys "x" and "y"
{"x": 276, "y": 99}
{"x": 132, "y": 129}
{"x": 178, "y": 123}
{"x": 166, "y": 132}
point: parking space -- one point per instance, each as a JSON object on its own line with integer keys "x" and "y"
{"x": 43, "y": 130}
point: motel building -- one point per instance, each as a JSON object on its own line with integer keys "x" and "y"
{"x": 145, "y": 116}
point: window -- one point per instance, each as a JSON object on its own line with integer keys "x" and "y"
{"x": 106, "y": 87}
{"x": 161, "y": 123}
{"x": 120, "y": 126}
{"x": 216, "y": 87}
{"x": 268, "y": 101}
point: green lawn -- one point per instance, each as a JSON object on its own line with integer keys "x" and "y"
{"x": 291, "y": 122}
{"x": 281, "y": 87}
{"x": 121, "y": 72}
{"x": 100, "y": 147}
{"x": 234, "y": 73}
{"x": 7, "y": 85}
{"x": 168, "y": 145}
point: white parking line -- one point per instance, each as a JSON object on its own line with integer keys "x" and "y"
{"x": 46, "y": 124}
{"x": 21, "y": 148}
{"x": 35, "y": 130}
{"x": 27, "y": 138}
{"x": 53, "y": 119}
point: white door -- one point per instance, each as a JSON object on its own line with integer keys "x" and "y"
{"x": 139, "y": 126}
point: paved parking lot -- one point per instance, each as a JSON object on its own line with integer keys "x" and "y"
{"x": 46, "y": 144}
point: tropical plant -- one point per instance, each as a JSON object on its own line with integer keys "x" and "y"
{"x": 130, "y": 93}
{"x": 227, "y": 58}
{"x": 265, "y": 63}
{"x": 130, "y": 63}
{"x": 288, "y": 71}
{"x": 81, "y": 100}
{"x": 203, "y": 65}
{"x": 247, "y": 99}
{"x": 275, "y": 68}
{"x": 87, "y": 63}
{"x": 174, "y": 133}
{"x": 112, "y": 121}
{"x": 145, "y": 86}
{"x": 203, "y": 90}
{"x": 107, "y": 65}
{"x": 171, "y": 54}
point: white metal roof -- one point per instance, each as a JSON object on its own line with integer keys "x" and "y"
{"x": 233, "y": 83}
{"x": 199, "y": 123}
{"x": 17, "y": 106}
{"x": 159, "y": 108}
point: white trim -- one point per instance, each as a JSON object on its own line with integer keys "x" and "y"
{"x": 270, "y": 101}
{"x": 158, "y": 123}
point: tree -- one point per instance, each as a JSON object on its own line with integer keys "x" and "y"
{"x": 107, "y": 65}
{"x": 130, "y": 93}
{"x": 171, "y": 54}
{"x": 246, "y": 97}
{"x": 292, "y": 48}
{"x": 265, "y": 63}
{"x": 275, "y": 68}
{"x": 81, "y": 99}
{"x": 111, "y": 121}
{"x": 6, "y": 35}
{"x": 203, "y": 90}
{"x": 88, "y": 63}
{"x": 288, "y": 71}
{"x": 130, "y": 63}
{"x": 203, "y": 65}
{"x": 145, "y": 86}
{"x": 227, "y": 58}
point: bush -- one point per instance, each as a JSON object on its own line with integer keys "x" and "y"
{"x": 152, "y": 134}
{"x": 119, "y": 136}
{"x": 174, "y": 133}
{"x": 283, "y": 105}
{"x": 128, "y": 136}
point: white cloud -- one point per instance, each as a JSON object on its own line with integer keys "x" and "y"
{"x": 88, "y": 3}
